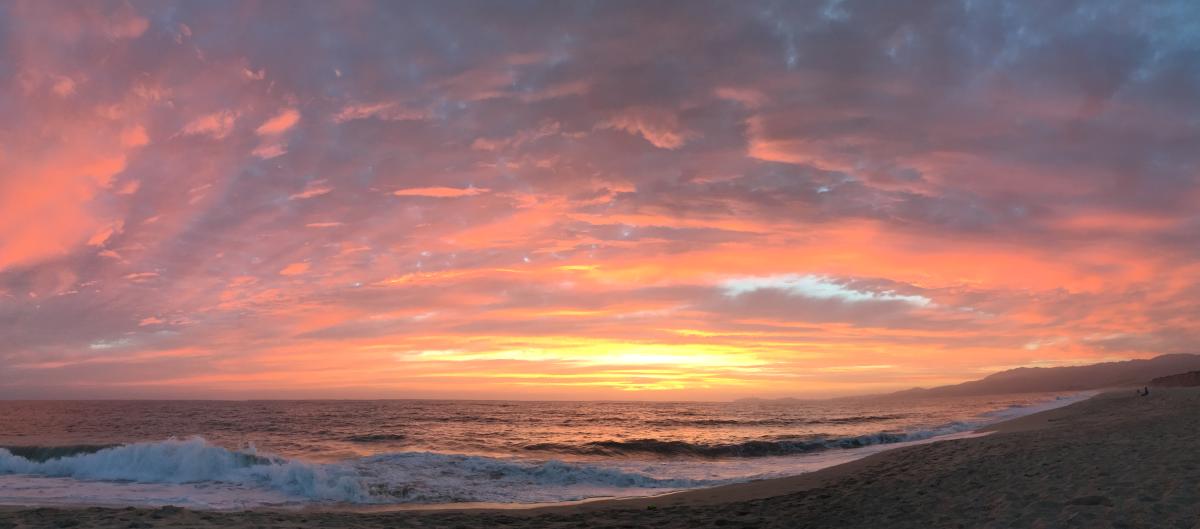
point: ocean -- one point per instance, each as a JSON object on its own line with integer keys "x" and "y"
{"x": 397, "y": 453}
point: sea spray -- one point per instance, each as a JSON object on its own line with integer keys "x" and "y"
{"x": 195, "y": 460}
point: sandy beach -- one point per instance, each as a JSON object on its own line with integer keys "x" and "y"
{"x": 1116, "y": 460}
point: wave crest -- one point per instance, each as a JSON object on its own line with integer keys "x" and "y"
{"x": 403, "y": 477}
{"x": 775, "y": 422}
{"x": 46, "y": 453}
{"x": 756, "y": 448}
{"x": 192, "y": 461}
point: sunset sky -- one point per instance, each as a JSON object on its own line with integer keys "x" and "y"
{"x": 590, "y": 200}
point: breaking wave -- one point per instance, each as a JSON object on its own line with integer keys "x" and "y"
{"x": 46, "y": 453}
{"x": 783, "y": 447}
{"x": 191, "y": 461}
{"x": 387, "y": 478}
{"x": 756, "y": 448}
{"x": 775, "y": 422}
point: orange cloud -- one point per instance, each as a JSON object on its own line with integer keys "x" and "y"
{"x": 659, "y": 127}
{"x": 58, "y": 189}
{"x": 294, "y": 269}
{"x": 279, "y": 124}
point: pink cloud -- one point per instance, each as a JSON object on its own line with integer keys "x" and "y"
{"x": 217, "y": 125}
{"x": 140, "y": 277}
{"x": 440, "y": 192}
{"x": 313, "y": 189}
{"x": 127, "y": 25}
{"x": 385, "y": 111}
{"x": 748, "y": 97}
{"x": 272, "y": 144}
{"x": 105, "y": 233}
{"x": 659, "y": 127}
{"x": 130, "y": 187}
{"x": 134, "y": 136}
{"x": 269, "y": 150}
{"x": 294, "y": 269}
{"x": 63, "y": 86}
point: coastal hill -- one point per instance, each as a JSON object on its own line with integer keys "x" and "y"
{"x": 1162, "y": 370}
{"x": 1069, "y": 378}
{"x": 1182, "y": 380}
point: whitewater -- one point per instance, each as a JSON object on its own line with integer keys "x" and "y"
{"x": 405, "y": 453}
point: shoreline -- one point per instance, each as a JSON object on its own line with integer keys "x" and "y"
{"x": 769, "y": 487}
{"x": 831, "y": 459}
{"x": 600, "y": 503}
{"x": 1062, "y": 466}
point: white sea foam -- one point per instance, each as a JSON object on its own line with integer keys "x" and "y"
{"x": 423, "y": 477}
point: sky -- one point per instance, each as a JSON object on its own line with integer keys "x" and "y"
{"x": 590, "y": 199}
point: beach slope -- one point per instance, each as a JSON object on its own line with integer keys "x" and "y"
{"x": 1116, "y": 460}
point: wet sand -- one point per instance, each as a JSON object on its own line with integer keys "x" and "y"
{"x": 1116, "y": 460}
